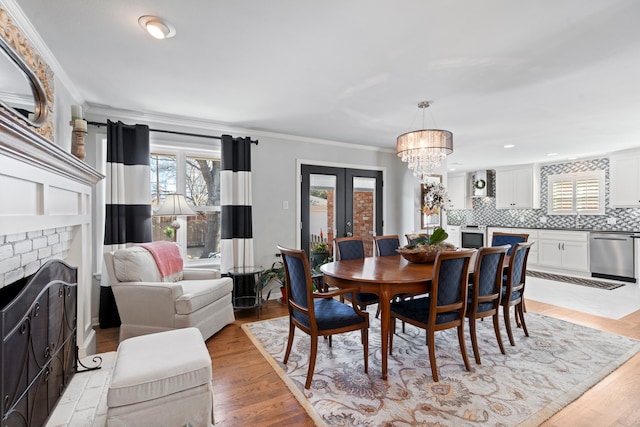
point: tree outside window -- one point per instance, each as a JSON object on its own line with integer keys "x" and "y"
{"x": 198, "y": 178}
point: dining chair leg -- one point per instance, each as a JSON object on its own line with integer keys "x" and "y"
{"x": 474, "y": 339}
{"x": 463, "y": 347}
{"x": 330, "y": 341}
{"x": 496, "y": 328}
{"x": 520, "y": 311}
{"x": 289, "y": 342}
{"x": 312, "y": 361}
{"x": 365, "y": 344}
{"x": 392, "y": 331}
{"x": 507, "y": 324}
{"x": 432, "y": 354}
{"x": 378, "y": 311}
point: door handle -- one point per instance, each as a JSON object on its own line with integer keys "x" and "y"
{"x": 563, "y": 246}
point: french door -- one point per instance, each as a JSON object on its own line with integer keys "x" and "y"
{"x": 340, "y": 202}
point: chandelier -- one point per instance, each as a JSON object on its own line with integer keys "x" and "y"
{"x": 424, "y": 149}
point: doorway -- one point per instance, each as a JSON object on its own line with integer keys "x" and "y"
{"x": 339, "y": 202}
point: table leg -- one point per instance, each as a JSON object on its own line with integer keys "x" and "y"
{"x": 385, "y": 318}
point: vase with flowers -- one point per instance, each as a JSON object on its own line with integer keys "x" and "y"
{"x": 424, "y": 248}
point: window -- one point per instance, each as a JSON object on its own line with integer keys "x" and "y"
{"x": 582, "y": 192}
{"x": 198, "y": 178}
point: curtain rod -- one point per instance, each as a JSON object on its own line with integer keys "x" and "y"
{"x": 99, "y": 124}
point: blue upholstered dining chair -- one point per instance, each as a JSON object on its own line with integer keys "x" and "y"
{"x": 513, "y": 288}
{"x": 501, "y": 239}
{"x": 485, "y": 292}
{"x": 353, "y": 248}
{"x": 318, "y": 314}
{"x": 386, "y": 245}
{"x": 443, "y": 308}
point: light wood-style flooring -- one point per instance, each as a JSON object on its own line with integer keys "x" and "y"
{"x": 248, "y": 391}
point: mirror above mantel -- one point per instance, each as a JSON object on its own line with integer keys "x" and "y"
{"x": 26, "y": 82}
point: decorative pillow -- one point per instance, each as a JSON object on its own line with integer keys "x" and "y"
{"x": 135, "y": 264}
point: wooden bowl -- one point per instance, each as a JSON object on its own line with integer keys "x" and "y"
{"x": 423, "y": 254}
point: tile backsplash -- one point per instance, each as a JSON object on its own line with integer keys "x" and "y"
{"x": 484, "y": 210}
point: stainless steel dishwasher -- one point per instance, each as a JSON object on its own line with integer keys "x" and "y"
{"x": 612, "y": 256}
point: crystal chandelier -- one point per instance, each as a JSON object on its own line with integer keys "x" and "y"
{"x": 424, "y": 149}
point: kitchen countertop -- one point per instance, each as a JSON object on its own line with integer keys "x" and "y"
{"x": 598, "y": 230}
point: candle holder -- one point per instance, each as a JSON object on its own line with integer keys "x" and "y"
{"x": 77, "y": 138}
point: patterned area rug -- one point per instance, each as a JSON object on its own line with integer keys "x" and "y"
{"x": 574, "y": 280}
{"x": 534, "y": 380}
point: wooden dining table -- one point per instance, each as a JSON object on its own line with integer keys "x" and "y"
{"x": 384, "y": 276}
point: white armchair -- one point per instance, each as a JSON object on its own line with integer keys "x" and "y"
{"x": 192, "y": 298}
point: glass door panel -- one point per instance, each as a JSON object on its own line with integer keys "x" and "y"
{"x": 322, "y": 211}
{"x": 339, "y": 202}
{"x": 364, "y": 211}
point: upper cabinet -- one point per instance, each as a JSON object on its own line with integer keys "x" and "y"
{"x": 518, "y": 187}
{"x": 624, "y": 181}
{"x": 459, "y": 192}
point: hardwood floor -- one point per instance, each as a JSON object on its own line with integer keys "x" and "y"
{"x": 248, "y": 392}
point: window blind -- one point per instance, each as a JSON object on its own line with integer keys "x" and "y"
{"x": 577, "y": 192}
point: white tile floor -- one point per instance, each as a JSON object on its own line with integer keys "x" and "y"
{"x": 612, "y": 304}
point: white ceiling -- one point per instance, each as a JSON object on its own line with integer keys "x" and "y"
{"x": 551, "y": 76}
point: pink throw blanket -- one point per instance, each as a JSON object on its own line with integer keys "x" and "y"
{"x": 167, "y": 256}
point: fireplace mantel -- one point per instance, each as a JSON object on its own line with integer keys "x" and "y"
{"x": 46, "y": 196}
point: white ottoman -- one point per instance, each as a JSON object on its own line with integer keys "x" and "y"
{"x": 162, "y": 379}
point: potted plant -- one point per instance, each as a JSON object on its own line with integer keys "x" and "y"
{"x": 273, "y": 278}
{"x": 319, "y": 254}
{"x": 425, "y": 248}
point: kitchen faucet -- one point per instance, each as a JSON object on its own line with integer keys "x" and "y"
{"x": 578, "y": 225}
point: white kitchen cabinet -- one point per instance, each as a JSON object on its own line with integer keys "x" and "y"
{"x": 568, "y": 250}
{"x": 518, "y": 188}
{"x": 459, "y": 191}
{"x": 454, "y": 235}
{"x": 624, "y": 181}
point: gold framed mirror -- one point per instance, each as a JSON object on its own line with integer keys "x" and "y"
{"x": 430, "y": 221}
{"x": 26, "y": 82}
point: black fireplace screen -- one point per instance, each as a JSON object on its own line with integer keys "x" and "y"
{"x": 38, "y": 352}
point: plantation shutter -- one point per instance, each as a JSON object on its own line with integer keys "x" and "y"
{"x": 587, "y": 194}
{"x": 573, "y": 193}
{"x": 562, "y": 196}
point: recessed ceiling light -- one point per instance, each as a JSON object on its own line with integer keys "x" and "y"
{"x": 509, "y": 146}
{"x": 452, "y": 169}
{"x": 552, "y": 154}
{"x": 571, "y": 158}
{"x": 157, "y": 27}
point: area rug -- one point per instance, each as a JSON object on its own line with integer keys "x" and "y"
{"x": 534, "y": 380}
{"x": 574, "y": 280}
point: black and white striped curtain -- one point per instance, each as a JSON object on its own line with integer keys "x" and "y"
{"x": 128, "y": 201}
{"x": 235, "y": 193}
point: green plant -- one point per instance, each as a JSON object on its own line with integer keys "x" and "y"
{"x": 438, "y": 236}
{"x": 169, "y": 232}
{"x": 274, "y": 273}
{"x": 320, "y": 247}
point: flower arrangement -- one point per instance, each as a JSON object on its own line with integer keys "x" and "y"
{"x": 435, "y": 198}
{"x": 320, "y": 247}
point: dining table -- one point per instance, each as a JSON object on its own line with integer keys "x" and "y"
{"x": 385, "y": 276}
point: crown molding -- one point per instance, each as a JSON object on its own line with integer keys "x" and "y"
{"x": 171, "y": 122}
